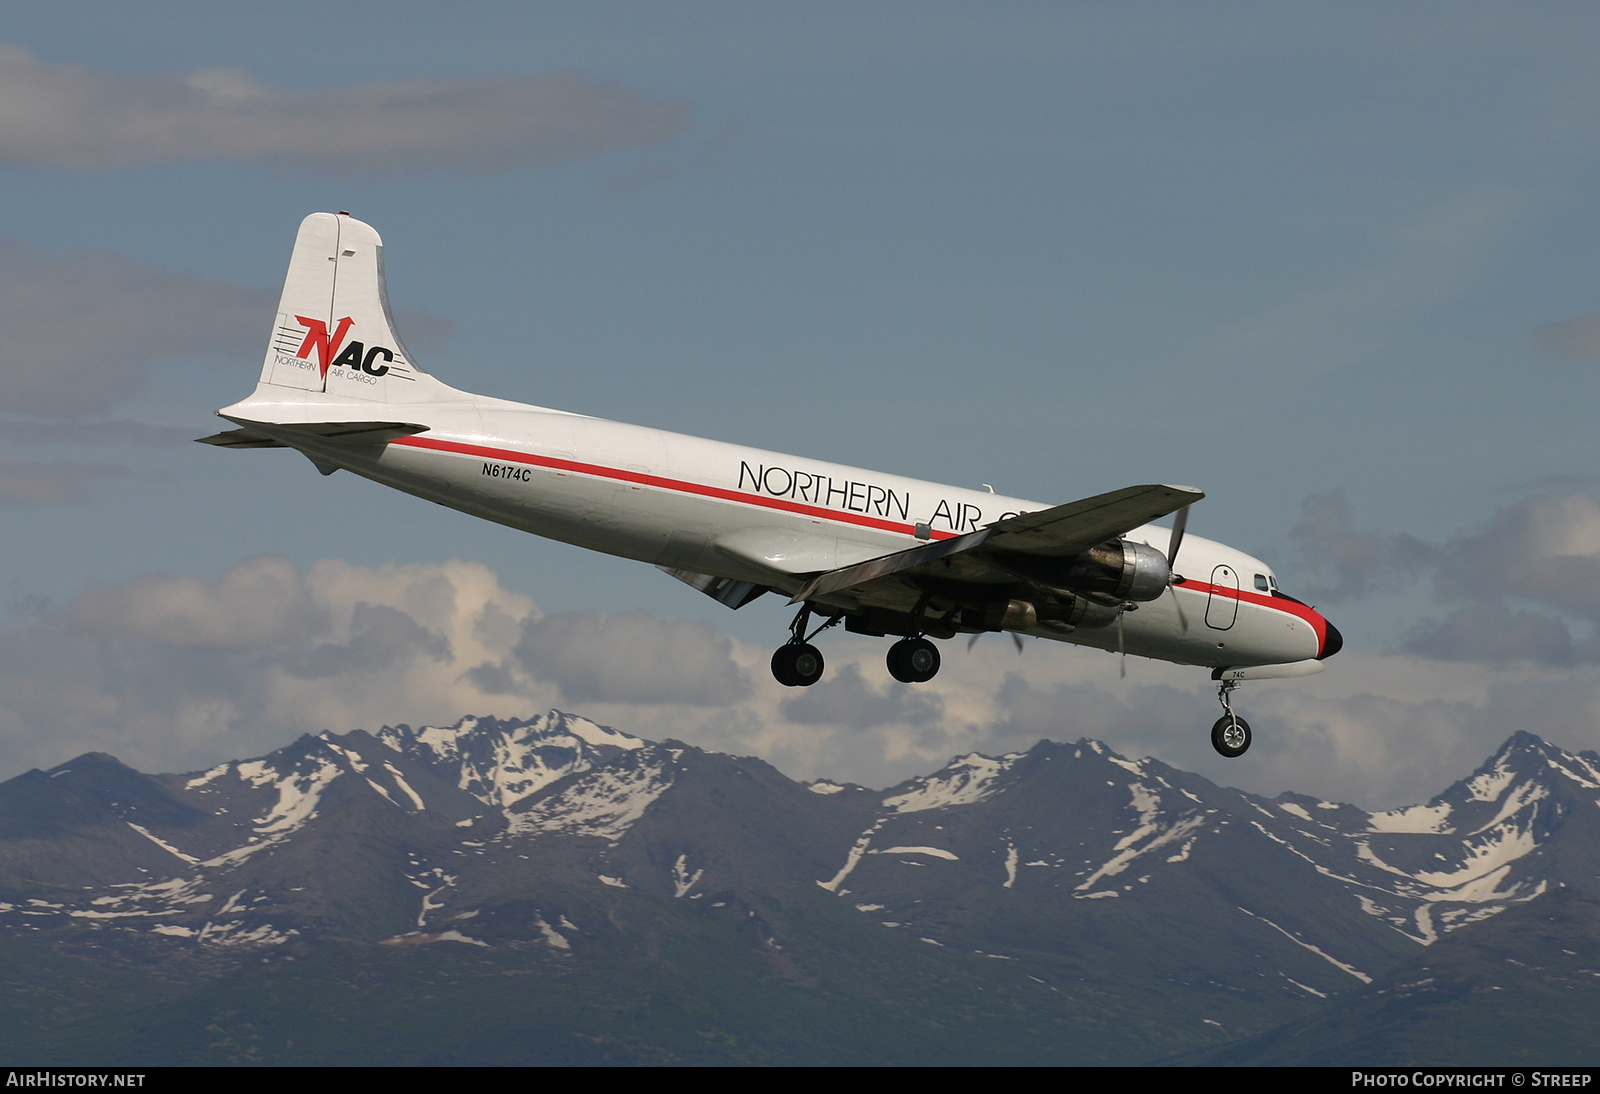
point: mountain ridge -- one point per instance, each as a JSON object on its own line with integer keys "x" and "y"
{"x": 1193, "y": 913}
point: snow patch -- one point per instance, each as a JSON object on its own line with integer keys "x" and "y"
{"x": 165, "y": 846}
{"x": 603, "y": 803}
{"x": 1335, "y": 962}
{"x": 1416, "y": 819}
{"x": 857, "y": 849}
{"x": 1494, "y": 854}
{"x": 552, "y": 937}
{"x": 596, "y": 734}
{"x": 1521, "y": 795}
{"x": 200, "y": 780}
{"x": 1492, "y": 783}
{"x": 682, "y": 880}
{"x": 966, "y": 780}
{"x": 405, "y": 787}
{"x": 173, "y": 929}
{"x": 934, "y": 852}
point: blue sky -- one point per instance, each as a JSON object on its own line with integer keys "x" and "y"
{"x": 1337, "y": 266}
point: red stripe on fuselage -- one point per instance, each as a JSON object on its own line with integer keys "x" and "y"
{"x": 1319, "y": 625}
{"x": 506, "y": 455}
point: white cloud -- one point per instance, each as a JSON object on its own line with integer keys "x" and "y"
{"x": 69, "y": 115}
{"x": 631, "y": 658}
{"x": 177, "y": 672}
{"x": 844, "y": 698}
{"x": 260, "y": 603}
{"x": 1522, "y": 586}
{"x": 1528, "y": 585}
{"x": 1361, "y": 562}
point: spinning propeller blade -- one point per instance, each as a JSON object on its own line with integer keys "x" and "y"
{"x": 1015, "y": 638}
{"x": 1179, "y": 523}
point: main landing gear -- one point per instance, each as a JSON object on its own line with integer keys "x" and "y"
{"x": 913, "y": 660}
{"x": 1231, "y": 734}
{"x": 798, "y": 664}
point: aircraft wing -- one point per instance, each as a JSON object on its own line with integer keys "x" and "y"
{"x": 1061, "y": 531}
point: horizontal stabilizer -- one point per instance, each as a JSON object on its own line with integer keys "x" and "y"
{"x": 1058, "y": 532}
{"x": 241, "y": 438}
{"x": 278, "y": 435}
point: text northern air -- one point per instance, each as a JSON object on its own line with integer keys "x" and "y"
{"x": 852, "y": 496}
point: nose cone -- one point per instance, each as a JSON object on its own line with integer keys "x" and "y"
{"x": 1332, "y": 642}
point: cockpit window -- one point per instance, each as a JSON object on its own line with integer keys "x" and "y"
{"x": 1261, "y": 583}
{"x": 1273, "y": 582}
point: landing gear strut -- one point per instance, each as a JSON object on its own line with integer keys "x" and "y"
{"x": 797, "y": 663}
{"x": 913, "y": 659}
{"x": 1231, "y": 734}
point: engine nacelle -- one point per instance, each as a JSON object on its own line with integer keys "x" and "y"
{"x": 1056, "y": 608}
{"x": 1121, "y": 570}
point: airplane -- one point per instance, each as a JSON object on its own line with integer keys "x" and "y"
{"x": 883, "y": 554}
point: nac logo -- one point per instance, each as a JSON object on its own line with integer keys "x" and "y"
{"x": 355, "y": 356}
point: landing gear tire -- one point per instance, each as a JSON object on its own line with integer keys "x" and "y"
{"x": 1231, "y": 736}
{"x": 913, "y": 660}
{"x": 797, "y": 665}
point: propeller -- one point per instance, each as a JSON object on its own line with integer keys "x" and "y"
{"x": 1179, "y": 523}
{"x": 973, "y": 641}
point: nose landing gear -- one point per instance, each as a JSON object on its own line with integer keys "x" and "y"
{"x": 1230, "y": 736}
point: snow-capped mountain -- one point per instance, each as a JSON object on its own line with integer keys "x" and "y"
{"x": 1058, "y": 869}
{"x": 1086, "y": 824}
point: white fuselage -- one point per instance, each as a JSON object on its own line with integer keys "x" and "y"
{"x": 686, "y": 503}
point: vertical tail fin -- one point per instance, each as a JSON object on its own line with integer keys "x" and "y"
{"x": 334, "y": 332}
